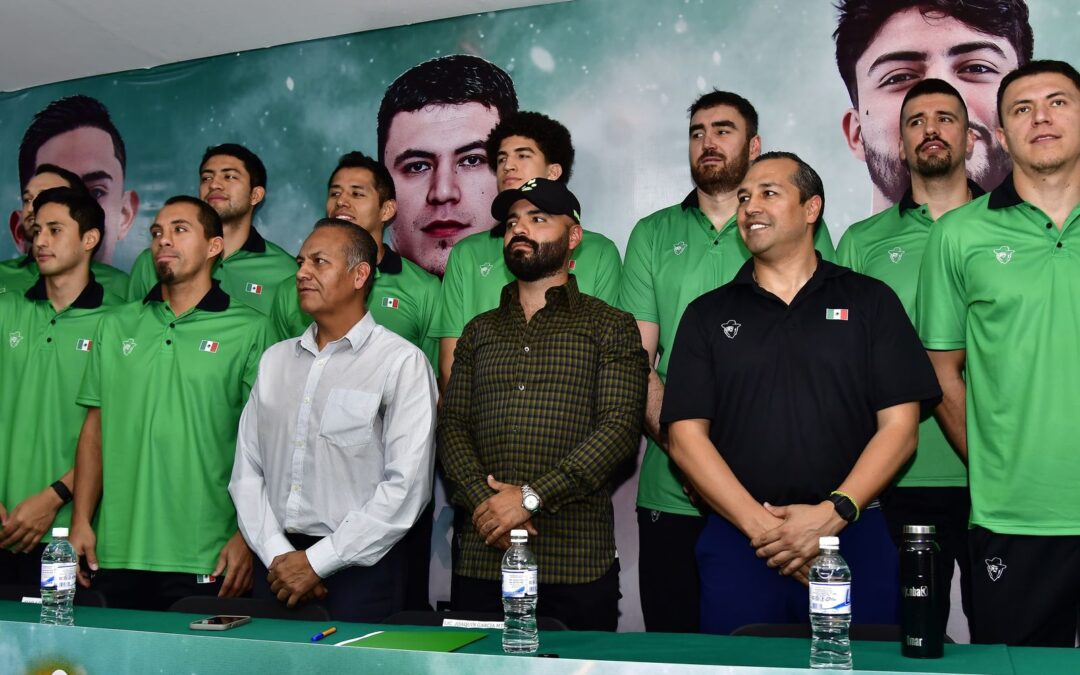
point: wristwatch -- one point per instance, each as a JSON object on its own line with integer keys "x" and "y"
{"x": 845, "y": 507}
{"x": 530, "y": 501}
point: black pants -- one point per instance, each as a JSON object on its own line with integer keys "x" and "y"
{"x": 947, "y": 509}
{"x": 589, "y": 606}
{"x": 21, "y": 569}
{"x": 417, "y": 543}
{"x": 1025, "y": 589}
{"x": 154, "y": 591}
{"x": 668, "y": 571}
{"x": 361, "y": 594}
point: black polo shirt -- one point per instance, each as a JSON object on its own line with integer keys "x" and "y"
{"x": 792, "y": 391}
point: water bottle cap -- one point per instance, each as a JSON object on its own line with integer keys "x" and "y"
{"x": 519, "y": 535}
{"x": 829, "y": 542}
{"x": 920, "y": 529}
{"x": 59, "y": 532}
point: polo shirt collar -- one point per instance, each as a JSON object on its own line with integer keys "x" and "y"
{"x": 91, "y": 297}
{"x": 255, "y": 242}
{"x": 1005, "y": 195}
{"x": 355, "y": 338}
{"x": 215, "y": 300}
{"x": 556, "y": 295}
{"x": 691, "y": 201}
{"x": 390, "y": 263}
{"x": 825, "y": 270}
{"x": 907, "y": 202}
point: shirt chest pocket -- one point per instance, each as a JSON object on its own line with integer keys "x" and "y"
{"x": 349, "y": 417}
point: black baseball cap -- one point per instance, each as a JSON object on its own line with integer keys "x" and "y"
{"x": 547, "y": 195}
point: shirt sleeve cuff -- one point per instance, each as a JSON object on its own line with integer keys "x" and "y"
{"x": 323, "y": 559}
{"x": 273, "y": 547}
{"x": 553, "y": 487}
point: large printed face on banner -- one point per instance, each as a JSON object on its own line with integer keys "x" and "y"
{"x": 913, "y": 44}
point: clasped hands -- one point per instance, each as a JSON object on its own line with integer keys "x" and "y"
{"x": 787, "y": 536}
{"x": 500, "y": 513}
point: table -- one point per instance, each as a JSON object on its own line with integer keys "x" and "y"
{"x": 119, "y": 641}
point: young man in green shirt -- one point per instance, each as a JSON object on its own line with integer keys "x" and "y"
{"x": 672, "y": 257}
{"x": 998, "y": 307}
{"x": 403, "y": 299}
{"x": 164, "y": 389}
{"x": 19, "y": 274}
{"x": 48, "y": 334}
{"x": 525, "y": 145}
{"x": 935, "y": 139}
{"x": 232, "y": 179}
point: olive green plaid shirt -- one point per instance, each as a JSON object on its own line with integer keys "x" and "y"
{"x": 556, "y": 403}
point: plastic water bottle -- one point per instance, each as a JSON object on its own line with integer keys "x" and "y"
{"x": 58, "y": 564}
{"x": 519, "y": 596}
{"x": 830, "y": 608}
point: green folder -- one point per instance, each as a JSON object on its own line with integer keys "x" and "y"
{"x": 423, "y": 641}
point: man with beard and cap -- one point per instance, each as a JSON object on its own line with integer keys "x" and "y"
{"x": 935, "y": 139}
{"x": 673, "y": 256}
{"x": 544, "y": 402}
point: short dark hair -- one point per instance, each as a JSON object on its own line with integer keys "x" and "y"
{"x": 859, "y": 21}
{"x": 252, "y": 164}
{"x": 447, "y": 80}
{"x": 70, "y": 177}
{"x": 59, "y": 117}
{"x": 717, "y": 97}
{"x": 1034, "y": 68}
{"x": 83, "y": 208}
{"x": 804, "y": 178}
{"x": 384, "y": 182}
{"x": 207, "y": 216}
{"x": 360, "y": 248}
{"x": 932, "y": 85}
{"x": 551, "y": 137}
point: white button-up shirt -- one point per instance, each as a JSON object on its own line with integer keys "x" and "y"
{"x": 337, "y": 443}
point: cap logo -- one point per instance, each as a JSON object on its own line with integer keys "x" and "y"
{"x": 527, "y": 185}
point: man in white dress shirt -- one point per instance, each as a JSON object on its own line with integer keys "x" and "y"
{"x": 335, "y": 452}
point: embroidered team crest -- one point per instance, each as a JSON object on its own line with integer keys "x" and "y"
{"x": 731, "y": 328}
{"x": 995, "y": 567}
{"x": 679, "y": 248}
{"x": 84, "y": 345}
{"x": 257, "y": 289}
{"x": 128, "y": 346}
{"x": 14, "y": 338}
{"x": 1003, "y": 254}
{"x": 390, "y": 303}
{"x": 485, "y": 269}
{"x": 208, "y": 346}
{"x": 896, "y": 254}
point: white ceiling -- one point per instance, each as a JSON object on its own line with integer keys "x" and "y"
{"x": 43, "y": 41}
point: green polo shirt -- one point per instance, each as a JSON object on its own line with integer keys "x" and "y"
{"x": 171, "y": 389}
{"x": 673, "y": 256}
{"x": 403, "y": 299}
{"x": 19, "y": 274}
{"x": 249, "y": 275}
{"x": 889, "y": 246}
{"x": 476, "y": 273}
{"x": 42, "y": 358}
{"x": 1000, "y": 280}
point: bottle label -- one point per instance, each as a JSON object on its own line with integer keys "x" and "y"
{"x": 832, "y": 598}
{"x": 58, "y": 576}
{"x": 518, "y": 583}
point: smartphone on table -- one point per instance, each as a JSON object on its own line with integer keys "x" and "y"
{"x": 220, "y": 622}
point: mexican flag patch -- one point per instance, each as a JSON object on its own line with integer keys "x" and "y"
{"x": 836, "y": 314}
{"x": 254, "y": 288}
{"x": 84, "y": 345}
{"x": 392, "y": 303}
{"x": 208, "y": 346}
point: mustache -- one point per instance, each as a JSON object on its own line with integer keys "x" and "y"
{"x": 712, "y": 153}
{"x": 522, "y": 239}
{"x": 934, "y": 139}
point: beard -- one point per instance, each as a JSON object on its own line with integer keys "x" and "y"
{"x": 934, "y": 166}
{"x": 725, "y": 178}
{"x": 545, "y": 260}
{"x": 165, "y": 274}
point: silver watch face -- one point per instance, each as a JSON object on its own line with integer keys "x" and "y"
{"x": 531, "y": 502}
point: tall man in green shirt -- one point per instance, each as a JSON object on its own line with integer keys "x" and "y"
{"x": 164, "y": 389}
{"x": 525, "y": 145}
{"x": 232, "y": 179}
{"x": 49, "y": 332}
{"x": 673, "y": 256}
{"x": 935, "y": 139}
{"x": 998, "y": 307}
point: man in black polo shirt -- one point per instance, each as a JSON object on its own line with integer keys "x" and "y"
{"x": 793, "y": 397}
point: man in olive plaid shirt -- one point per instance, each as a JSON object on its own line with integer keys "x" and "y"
{"x": 544, "y": 402}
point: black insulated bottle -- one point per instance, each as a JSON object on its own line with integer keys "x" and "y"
{"x": 923, "y": 633}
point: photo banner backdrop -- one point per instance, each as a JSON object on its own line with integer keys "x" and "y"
{"x": 619, "y": 74}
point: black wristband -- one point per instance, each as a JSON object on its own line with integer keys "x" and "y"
{"x": 62, "y": 491}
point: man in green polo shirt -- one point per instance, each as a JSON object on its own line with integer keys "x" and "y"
{"x": 403, "y": 299}
{"x": 525, "y": 145}
{"x": 164, "y": 389}
{"x": 20, "y": 273}
{"x": 48, "y": 334}
{"x": 998, "y": 307}
{"x": 672, "y": 257}
{"x": 935, "y": 139}
{"x": 232, "y": 179}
